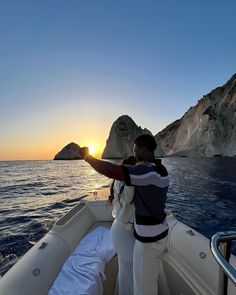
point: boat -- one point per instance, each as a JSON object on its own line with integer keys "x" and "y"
{"x": 192, "y": 263}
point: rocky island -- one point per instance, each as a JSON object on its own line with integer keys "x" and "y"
{"x": 121, "y": 139}
{"x": 70, "y": 152}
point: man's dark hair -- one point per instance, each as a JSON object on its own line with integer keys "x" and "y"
{"x": 147, "y": 141}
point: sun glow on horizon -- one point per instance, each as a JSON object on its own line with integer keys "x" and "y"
{"x": 93, "y": 149}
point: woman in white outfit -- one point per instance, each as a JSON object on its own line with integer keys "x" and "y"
{"x": 122, "y": 230}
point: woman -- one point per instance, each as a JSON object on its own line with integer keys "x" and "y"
{"x": 122, "y": 230}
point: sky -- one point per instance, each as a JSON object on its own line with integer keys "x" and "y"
{"x": 70, "y": 68}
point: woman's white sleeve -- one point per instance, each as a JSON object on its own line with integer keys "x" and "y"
{"x": 128, "y": 194}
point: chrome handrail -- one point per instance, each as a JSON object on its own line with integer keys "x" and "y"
{"x": 223, "y": 240}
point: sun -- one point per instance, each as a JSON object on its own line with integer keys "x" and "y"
{"x": 92, "y": 149}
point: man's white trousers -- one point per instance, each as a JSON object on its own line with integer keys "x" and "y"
{"x": 148, "y": 273}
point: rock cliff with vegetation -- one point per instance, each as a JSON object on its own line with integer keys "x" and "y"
{"x": 121, "y": 139}
{"x": 207, "y": 129}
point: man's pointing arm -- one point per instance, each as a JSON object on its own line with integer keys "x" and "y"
{"x": 106, "y": 168}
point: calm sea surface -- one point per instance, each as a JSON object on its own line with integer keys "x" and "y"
{"x": 34, "y": 194}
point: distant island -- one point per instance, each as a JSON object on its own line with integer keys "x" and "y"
{"x": 206, "y": 130}
{"x": 70, "y": 152}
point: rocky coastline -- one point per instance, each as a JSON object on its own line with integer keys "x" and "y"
{"x": 207, "y": 129}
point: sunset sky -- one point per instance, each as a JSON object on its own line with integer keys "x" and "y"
{"x": 69, "y": 69}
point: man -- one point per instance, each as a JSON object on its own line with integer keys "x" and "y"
{"x": 150, "y": 179}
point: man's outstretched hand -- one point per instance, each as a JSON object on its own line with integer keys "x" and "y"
{"x": 84, "y": 152}
{"x": 104, "y": 167}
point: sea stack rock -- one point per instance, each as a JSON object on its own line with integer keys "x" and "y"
{"x": 121, "y": 138}
{"x": 69, "y": 152}
{"x": 207, "y": 129}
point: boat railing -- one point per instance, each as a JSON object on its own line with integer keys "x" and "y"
{"x": 221, "y": 249}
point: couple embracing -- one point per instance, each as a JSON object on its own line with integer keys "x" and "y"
{"x": 139, "y": 231}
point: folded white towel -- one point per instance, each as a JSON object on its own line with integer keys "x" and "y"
{"x": 83, "y": 271}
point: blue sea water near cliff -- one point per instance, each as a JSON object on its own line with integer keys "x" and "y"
{"x": 34, "y": 194}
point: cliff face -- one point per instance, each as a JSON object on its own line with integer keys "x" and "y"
{"x": 121, "y": 138}
{"x": 69, "y": 152}
{"x": 207, "y": 129}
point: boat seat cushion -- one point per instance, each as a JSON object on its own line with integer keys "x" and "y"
{"x": 83, "y": 271}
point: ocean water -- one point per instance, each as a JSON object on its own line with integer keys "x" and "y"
{"x": 34, "y": 194}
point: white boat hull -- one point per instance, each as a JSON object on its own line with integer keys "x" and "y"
{"x": 188, "y": 263}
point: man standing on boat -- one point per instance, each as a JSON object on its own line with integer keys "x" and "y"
{"x": 150, "y": 179}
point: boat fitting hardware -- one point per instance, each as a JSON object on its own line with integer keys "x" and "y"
{"x": 36, "y": 272}
{"x": 95, "y": 195}
{"x": 190, "y": 232}
{"x": 43, "y": 245}
{"x": 220, "y": 245}
{"x": 202, "y": 255}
